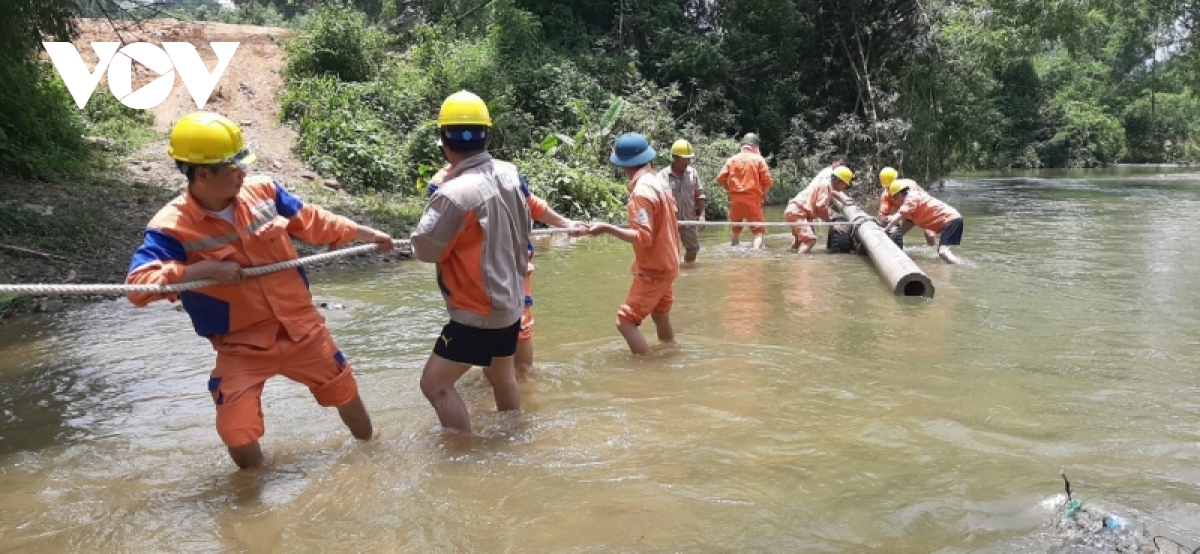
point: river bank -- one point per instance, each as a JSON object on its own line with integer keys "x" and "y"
{"x": 84, "y": 229}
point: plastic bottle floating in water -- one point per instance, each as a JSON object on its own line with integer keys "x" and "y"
{"x": 1113, "y": 522}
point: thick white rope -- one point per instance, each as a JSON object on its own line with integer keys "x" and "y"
{"x": 762, "y": 223}
{"x": 56, "y": 289}
{"x": 47, "y": 289}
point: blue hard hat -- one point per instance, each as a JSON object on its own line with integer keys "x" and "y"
{"x": 631, "y": 150}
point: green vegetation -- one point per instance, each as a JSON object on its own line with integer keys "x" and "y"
{"x": 929, "y": 87}
{"x": 6, "y": 300}
{"x": 126, "y": 128}
{"x": 368, "y": 118}
{"x": 390, "y": 212}
{"x": 42, "y": 133}
{"x": 39, "y": 135}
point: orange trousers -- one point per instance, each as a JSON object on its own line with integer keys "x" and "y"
{"x": 647, "y": 295}
{"x": 241, "y": 371}
{"x": 803, "y": 233}
{"x": 740, "y": 210}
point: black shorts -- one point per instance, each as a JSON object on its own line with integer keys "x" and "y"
{"x": 952, "y": 233}
{"x": 471, "y": 345}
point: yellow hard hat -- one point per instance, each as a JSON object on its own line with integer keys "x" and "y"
{"x": 887, "y": 175}
{"x": 683, "y": 149}
{"x": 205, "y": 138}
{"x": 843, "y": 173}
{"x": 464, "y": 108}
{"x": 898, "y": 186}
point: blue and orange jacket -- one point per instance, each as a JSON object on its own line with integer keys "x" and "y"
{"x": 254, "y": 311}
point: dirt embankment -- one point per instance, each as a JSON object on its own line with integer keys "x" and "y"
{"x": 247, "y": 93}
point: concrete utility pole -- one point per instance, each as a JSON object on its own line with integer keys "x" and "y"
{"x": 895, "y": 267}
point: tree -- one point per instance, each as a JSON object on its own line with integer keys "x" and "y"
{"x": 40, "y": 133}
{"x": 26, "y": 22}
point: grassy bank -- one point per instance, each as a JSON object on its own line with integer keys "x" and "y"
{"x": 71, "y": 207}
{"x": 364, "y": 103}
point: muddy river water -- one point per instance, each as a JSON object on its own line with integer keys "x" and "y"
{"x": 804, "y": 408}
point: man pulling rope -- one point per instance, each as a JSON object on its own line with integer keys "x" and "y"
{"x": 222, "y": 224}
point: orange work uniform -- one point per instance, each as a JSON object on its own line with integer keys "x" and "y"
{"x": 261, "y": 327}
{"x": 889, "y": 205}
{"x": 811, "y": 204}
{"x": 927, "y": 212}
{"x": 747, "y": 179}
{"x": 651, "y": 210}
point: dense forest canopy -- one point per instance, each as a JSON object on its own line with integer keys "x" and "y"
{"x": 931, "y": 87}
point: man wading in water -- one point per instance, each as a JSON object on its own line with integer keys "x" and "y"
{"x": 812, "y": 204}
{"x": 747, "y": 179}
{"x": 541, "y": 212}
{"x": 689, "y": 195}
{"x": 259, "y": 328}
{"x": 927, "y": 212}
{"x": 654, "y": 234}
{"x": 887, "y": 206}
{"x": 476, "y": 229}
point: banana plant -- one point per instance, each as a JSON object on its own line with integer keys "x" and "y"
{"x": 586, "y": 138}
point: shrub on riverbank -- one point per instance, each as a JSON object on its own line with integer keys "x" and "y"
{"x": 371, "y": 123}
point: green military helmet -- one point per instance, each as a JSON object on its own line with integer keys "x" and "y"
{"x": 750, "y": 138}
